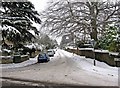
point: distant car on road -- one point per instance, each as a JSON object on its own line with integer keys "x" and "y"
{"x": 50, "y": 52}
{"x": 43, "y": 58}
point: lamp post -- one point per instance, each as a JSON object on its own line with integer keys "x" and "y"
{"x": 93, "y": 43}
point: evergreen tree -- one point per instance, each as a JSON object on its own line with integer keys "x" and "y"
{"x": 16, "y": 21}
{"x": 109, "y": 40}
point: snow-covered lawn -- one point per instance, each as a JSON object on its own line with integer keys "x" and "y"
{"x": 87, "y": 64}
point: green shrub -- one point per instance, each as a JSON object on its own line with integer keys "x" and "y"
{"x": 109, "y": 41}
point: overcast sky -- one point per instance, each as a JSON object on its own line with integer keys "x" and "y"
{"x": 39, "y": 4}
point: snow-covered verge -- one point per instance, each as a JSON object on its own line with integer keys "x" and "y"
{"x": 87, "y": 64}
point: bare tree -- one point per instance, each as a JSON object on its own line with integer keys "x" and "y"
{"x": 89, "y": 18}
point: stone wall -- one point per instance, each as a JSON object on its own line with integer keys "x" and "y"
{"x": 12, "y": 59}
{"x": 100, "y": 55}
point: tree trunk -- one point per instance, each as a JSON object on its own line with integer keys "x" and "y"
{"x": 93, "y": 14}
{"x": 94, "y": 30}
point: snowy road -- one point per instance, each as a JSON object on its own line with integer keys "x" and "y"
{"x": 64, "y": 68}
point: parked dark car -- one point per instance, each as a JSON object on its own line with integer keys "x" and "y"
{"x": 43, "y": 58}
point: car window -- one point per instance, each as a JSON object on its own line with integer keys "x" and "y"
{"x": 41, "y": 56}
{"x": 49, "y": 51}
{"x": 45, "y": 55}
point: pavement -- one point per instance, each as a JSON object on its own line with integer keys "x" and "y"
{"x": 17, "y": 65}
